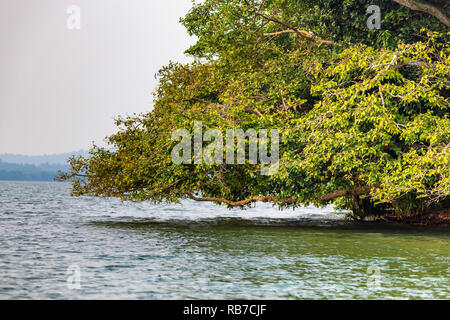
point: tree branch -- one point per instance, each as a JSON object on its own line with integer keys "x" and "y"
{"x": 210, "y": 103}
{"x": 242, "y": 202}
{"x": 328, "y": 197}
{"x": 261, "y": 5}
{"x": 419, "y": 5}
{"x": 301, "y": 33}
{"x": 342, "y": 193}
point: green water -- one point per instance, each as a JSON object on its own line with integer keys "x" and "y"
{"x": 139, "y": 251}
{"x": 307, "y": 263}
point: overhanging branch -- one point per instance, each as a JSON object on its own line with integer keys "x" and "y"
{"x": 328, "y": 197}
{"x": 242, "y": 202}
{"x": 423, "y": 6}
{"x": 342, "y": 193}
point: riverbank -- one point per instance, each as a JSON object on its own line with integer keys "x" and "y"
{"x": 441, "y": 219}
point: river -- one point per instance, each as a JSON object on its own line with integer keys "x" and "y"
{"x": 53, "y": 246}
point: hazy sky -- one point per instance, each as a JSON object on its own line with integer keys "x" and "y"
{"x": 60, "y": 89}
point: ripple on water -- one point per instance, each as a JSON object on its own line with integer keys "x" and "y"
{"x": 202, "y": 251}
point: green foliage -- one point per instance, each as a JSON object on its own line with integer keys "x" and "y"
{"x": 383, "y": 122}
{"x": 363, "y": 114}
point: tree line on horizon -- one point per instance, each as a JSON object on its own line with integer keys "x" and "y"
{"x": 30, "y": 172}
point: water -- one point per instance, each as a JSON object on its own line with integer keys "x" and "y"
{"x": 201, "y": 251}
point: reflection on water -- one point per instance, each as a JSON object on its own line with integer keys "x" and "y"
{"x": 201, "y": 251}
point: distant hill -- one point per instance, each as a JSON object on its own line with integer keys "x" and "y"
{"x": 34, "y": 168}
{"x": 38, "y": 160}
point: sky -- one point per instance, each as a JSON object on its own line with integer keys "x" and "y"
{"x": 61, "y": 87}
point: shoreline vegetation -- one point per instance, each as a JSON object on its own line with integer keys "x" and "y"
{"x": 440, "y": 219}
{"x": 362, "y": 112}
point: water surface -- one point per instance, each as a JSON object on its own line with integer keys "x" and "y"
{"x": 202, "y": 251}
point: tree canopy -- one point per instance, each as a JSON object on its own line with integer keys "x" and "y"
{"x": 363, "y": 114}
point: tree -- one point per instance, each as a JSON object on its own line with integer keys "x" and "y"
{"x": 363, "y": 114}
